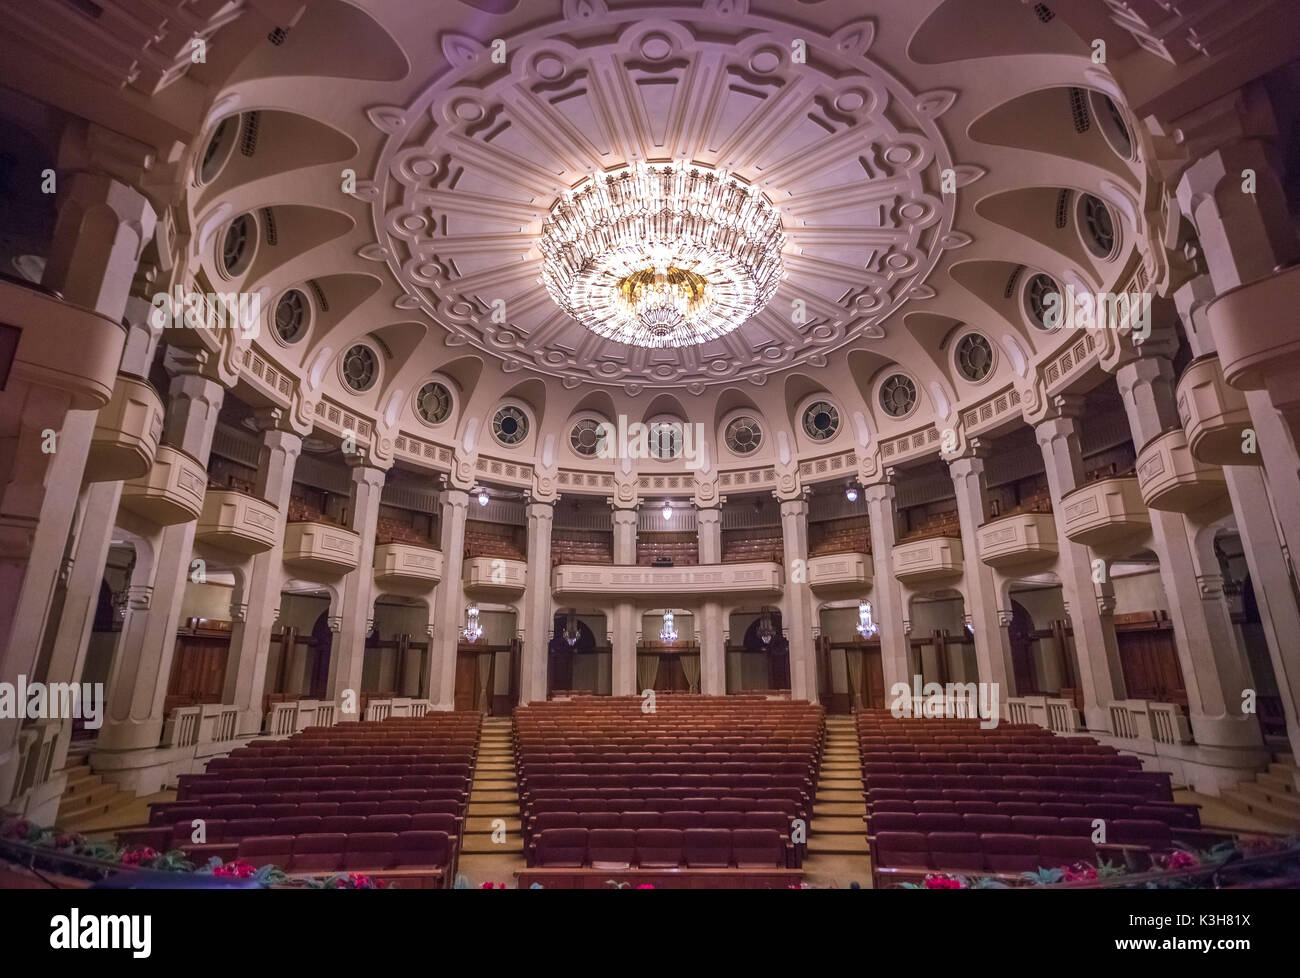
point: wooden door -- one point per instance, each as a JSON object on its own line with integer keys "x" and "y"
{"x": 873, "y": 679}
{"x": 466, "y": 697}
{"x": 1021, "y": 637}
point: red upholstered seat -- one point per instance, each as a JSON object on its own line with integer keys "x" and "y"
{"x": 369, "y": 851}
{"x": 611, "y": 848}
{"x": 757, "y": 848}
{"x": 955, "y": 850}
{"x": 1009, "y": 853}
{"x": 422, "y": 848}
{"x": 318, "y": 853}
{"x": 658, "y": 848}
{"x": 264, "y": 850}
{"x": 562, "y": 847}
{"x": 706, "y": 848}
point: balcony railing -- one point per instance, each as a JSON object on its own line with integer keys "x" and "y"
{"x": 844, "y": 572}
{"x": 495, "y": 575}
{"x": 692, "y": 581}
{"x": 127, "y": 430}
{"x": 1142, "y": 720}
{"x": 237, "y": 521}
{"x": 171, "y": 492}
{"x": 1018, "y": 539}
{"x": 405, "y": 562}
{"x": 321, "y": 547}
{"x": 1106, "y": 512}
{"x": 927, "y": 559}
{"x": 1214, "y": 415}
{"x": 189, "y": 726}
{"x": 1052, "y": 713}
{"x": 1172, "y": 479}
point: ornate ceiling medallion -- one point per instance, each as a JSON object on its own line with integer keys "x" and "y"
{"x": 662, "y": 254}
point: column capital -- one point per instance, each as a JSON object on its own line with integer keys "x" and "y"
{"x": 624, "y": 517}
{"x": 454, "y": 499}
{"x": 363, "y": 472}
{"x": 879, "y": 492}
{"x": 1059, "y": 407}
{"x": 540, "y": 509}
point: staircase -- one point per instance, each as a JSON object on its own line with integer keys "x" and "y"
{"x": 1271, "y": 798}
{"x": 87, "y": 797}
{"x": 837, "y": 836}
{"x": 493, "y": 795}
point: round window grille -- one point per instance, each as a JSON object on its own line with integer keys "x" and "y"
{"x": 360, "y": 368}
{"x": 974, "y": 357}
{"x": 510, "y": 425}
{"x": 1113, "y": 125}
{"x": 587, "y": 437}
{"x": 897, "y": 395}
{"x": 1097, "y": 225}
{"x": 218, "y": 149}
{"x": 1038, "y": 297}
{"x": 665, "y": 440}
{"x": 237, "y": 245}
{"x": 821, "y": 421}
{"x": 291, "y": 316}
{"x": 433, "y": 403}
{"x": 743, "y": 435}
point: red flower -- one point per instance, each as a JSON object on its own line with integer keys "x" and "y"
{"x": 1079, "y": 873}
{"x": 937, "y": 881}
{"x": 1179, "y": 859}
{"x": 236, "y": 870}
{"x": 645, "y": 886}
{"x": 135, "y": 857}
{"x": 492, "y": 886}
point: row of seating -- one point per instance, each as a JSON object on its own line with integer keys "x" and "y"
{"x": 682, "y": 549}
{"x": 581, "y": 547}
{"x": 1146, "y": 832}
{"x": 616, "y": 849}
{"x": 850, "y": 535}
{"x": 1149, "y": 784}
{"x": 945, "y": 524}
{"x": 412, "y": 803}
{"x": 1172, "y": 814}
{"x": 904, "y": 856}
{"x": 322, "y": 853}
{"x": 484, "y": 539}
{"x": 207, "y": 786}
{"x": 181, "y": 833}
{"x": 751, "y": 545}
{"x": 392, "y": 530}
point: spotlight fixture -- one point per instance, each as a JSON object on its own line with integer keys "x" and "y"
{"x": 472, "y": 629}
{"x": 851, "y": 492}
{"x": 668, "y": 511}
{"x": 866, "y": 627}
{"x": 669, "y": 632}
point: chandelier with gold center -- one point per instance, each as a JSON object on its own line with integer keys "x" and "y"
{"x": 662, "y": 254}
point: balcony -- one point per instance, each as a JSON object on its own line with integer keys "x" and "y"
{"x": 1018, "y": 539}
{"x": 1106, "y": 512}
{"x": 495, "y": 575}
{"x": 171, "y": 492}
{"x": 126, "y": 432}
{"x": 321, "y": 547}
{"x": 238, "y": 522}
{"x": 1214, "y": 415}
{"x": 928, "y": 559}
{"x": 686, "y": 583}
{"x": 405, "y": 563}
{"x": 840, "y": 573}
{"x": 1171, "y": 479}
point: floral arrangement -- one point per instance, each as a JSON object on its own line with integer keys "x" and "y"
{"x": 348, "y": 881}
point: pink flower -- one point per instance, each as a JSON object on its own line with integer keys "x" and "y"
{"x": 236, "y": 870}
{"x": 1079, "y": 873}
{"x": 1178, "y": 859}
{"x": 135, "y": 857}
{"x": 493, "y": 886}
{"x": 937, "y": 881}
{"x": 645, "y": 886}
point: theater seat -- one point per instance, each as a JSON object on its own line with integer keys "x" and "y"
{"x": 897, "y": 849}
{"x": 266, "y": 850}
{"x": 955, "y": 850}
{"x": 1005, "y": 853}
{"x": 318, "y": 853}
{"x": 707, "y": 848}
{"x": 421, "y": 848}
{"x": 369, "y": 851}
{"x": 658, "y": 848}
{"x": 562, "y": 847}
{"x": 755, "y": 848}
{"x": 1064, "y": 850}
{"x": 611, "y": 848}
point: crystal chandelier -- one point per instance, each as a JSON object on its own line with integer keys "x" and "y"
{"x": 472, "y": 629}
{"x": 571, "y": 633}
{"x": 662, "y": 254}
{"x": 766, "y": 629}
{"x": 669, "y": 632}
{"x": 866, "y": 627}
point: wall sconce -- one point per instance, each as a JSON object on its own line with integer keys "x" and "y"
{"x": 669, "y": 632}
{"x": 472, "y": 629}
{"x": 866, "y": 627}
{"x": 851, "y": 492}
{"x": 668, "y": 511}
{"x": 483, "y": 497}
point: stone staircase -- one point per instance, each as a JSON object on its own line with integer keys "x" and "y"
{"x": 837, "y": 838}
{"x": 493, "y": 795}
{"x": 1271, "y": 797}
{"x": 87, "y": 797}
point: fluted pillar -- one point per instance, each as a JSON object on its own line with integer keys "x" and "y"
{"x": 449, "y": 602}
{"x": 713, "y": 661}
{"x": 623, "y": 666}
{"x": 137, "y": 686}
{"x": 538, "y": 606}
{"x": 1207, "y": 645}
{"x": 886, "y": 591}
{"x": 250, "y": 639}
{"x": 798, "y": 619}
{"x": 992, "y": 647}
{"x": 349, "y": 655}
{"x": 1090, "y": 604}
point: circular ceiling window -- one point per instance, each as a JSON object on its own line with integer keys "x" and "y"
{"x": 974, "y": 357}
{"x": 360, "y": 368}
{"x": 743, "y": 435}
{"x": 1113, "y": 125}
{"x": 1044, "y": 302}
{"x": 510, "y": 425}
{"x": 586, "y": 437}
{"x": 219, "y": 148}
{"x": 898, "y": 395}
{"x": 821, "y": 421}
{"x": 433, "y": 403}
{"x": 1096, "y": 226}
{"x": 291, "y": 316}
{"x": 237, "y": 245}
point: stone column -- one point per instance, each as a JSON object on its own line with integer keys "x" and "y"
{"x": 713, "y": 656}
{"x": 100, "y": 233}
{"x": 886, "y": 592}
{"x": 992, "y": 647}
{"x": 623, "y": 666}
{"x": 349, "y": 655}
{"x": 449, "y": 602}
{"x": 1247, "y": 238}
{"x": 1207, "y": 644}
{"x": 137, "y": 686}
{"x": 798, "y": 600}
{"x": 538, "y": 606}
{"x": 1090, "y": 605}
{"x": 250, "y": 639}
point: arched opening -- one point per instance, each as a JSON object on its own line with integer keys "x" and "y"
{"x": 397, "y": 650}
{"x": 578, "y": 656}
